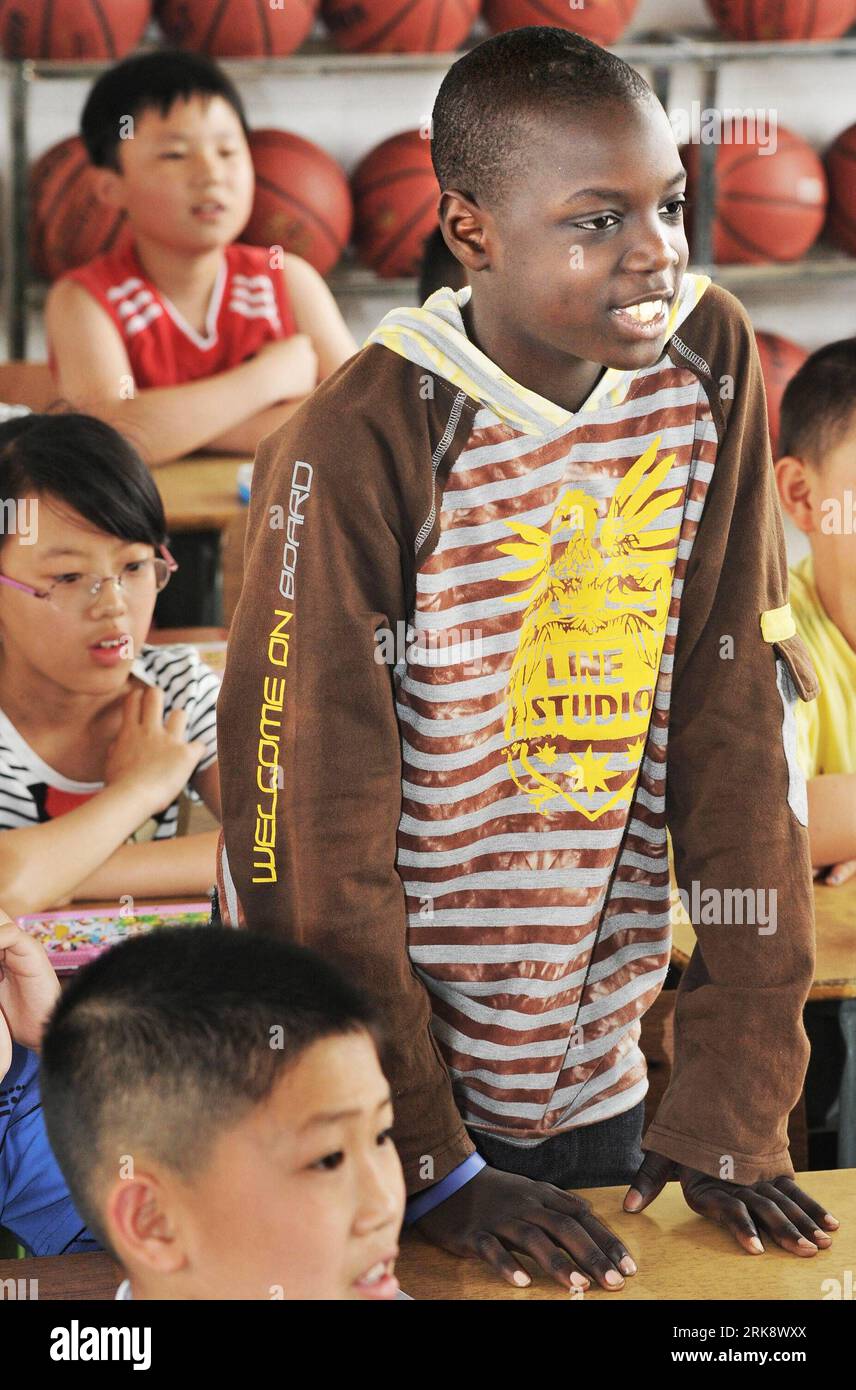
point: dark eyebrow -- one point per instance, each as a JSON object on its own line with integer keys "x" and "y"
{"x": 330, "y": 1117}
{"x": 617, "y": 195}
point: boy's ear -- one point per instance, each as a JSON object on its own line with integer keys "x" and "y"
{"x": 110, "y": 188}
{"x": 795, "y": 492}
{"x": 465, "y": 226}
{"x": 140, "y": 1222}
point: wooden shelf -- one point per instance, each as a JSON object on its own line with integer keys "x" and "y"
{"x": 657, "y": 50}
{"x": 351, "y": 279}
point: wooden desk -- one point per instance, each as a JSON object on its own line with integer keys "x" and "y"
{"x": 200, "y": 493}
{"x": 834, "y": 978}
{"x": 680, "y": 1255}
{"x": 835, "y": 918}
{"x": 835, "y": 929}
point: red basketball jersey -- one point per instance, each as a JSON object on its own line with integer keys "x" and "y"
{"x": 249, "y": 307}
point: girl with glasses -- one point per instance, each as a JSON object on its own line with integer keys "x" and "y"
{"x": 100, "y": 732}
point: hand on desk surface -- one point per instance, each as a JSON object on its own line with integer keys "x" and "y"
{"x": 780, "y": 1209}
{"x": 496, "y": 1213}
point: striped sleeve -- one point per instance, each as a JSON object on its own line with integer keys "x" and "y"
{"x": 187, "y": 683}
{"x": 17, "y": 807}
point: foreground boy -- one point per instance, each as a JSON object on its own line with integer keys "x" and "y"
{"x": 216, "y": 1103}
{"x": 817, "y": 486}
{"x": 180, "y": 336}
{"x": 560, "y": 477}
{"x": 34, "y": 1201}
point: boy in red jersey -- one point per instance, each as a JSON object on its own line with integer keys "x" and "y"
{"x": 192, "y": 339}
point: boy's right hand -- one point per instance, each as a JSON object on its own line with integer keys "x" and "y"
{"x": 291, "y": 365}
{"x": 496, "y": 1213}
{"x": 150, "y": 753}
{"x": 29, "y": 989}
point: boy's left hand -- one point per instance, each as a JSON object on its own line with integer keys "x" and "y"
{"x": 779, "y": 1207}
{"x": 28, "y": 986}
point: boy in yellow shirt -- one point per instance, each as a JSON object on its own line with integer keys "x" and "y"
{"x": 817, "y": 486}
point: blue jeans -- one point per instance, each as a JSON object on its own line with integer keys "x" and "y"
{"x": 605, "y": 1154}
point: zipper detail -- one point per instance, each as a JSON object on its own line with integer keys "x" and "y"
{"x": 693, "y": 357}
{"x": 439, "y": 453}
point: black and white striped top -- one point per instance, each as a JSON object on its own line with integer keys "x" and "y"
{"x": 32, "y": 792}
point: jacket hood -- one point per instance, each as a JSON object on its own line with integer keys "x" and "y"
{"x": 435, "y": 337}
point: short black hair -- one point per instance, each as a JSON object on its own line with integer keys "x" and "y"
{"x": 497, "y": 92}
{"x": 86, "y": 464}
{"x": 168, "y": 1039}
{"x": 819, "y": 402}
{"x": 144, "y": 82}
{"x": 439, "y": 267}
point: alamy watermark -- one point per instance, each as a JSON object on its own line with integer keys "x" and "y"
{"x": 434, "y": 647}
{"x": 753, "y": 907}
{"x": 707, "y": 125}
{"x": 19, "y": 516}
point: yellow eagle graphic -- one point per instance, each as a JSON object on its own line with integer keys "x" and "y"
{"x": 595, "y": 619}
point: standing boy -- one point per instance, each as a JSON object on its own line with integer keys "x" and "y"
{"x": 559, "y": 476}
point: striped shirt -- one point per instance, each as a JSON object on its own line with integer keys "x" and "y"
{"x": 32, "y": 792}
{"x": 534, "y": 710}
{"x": 454, "y": 681}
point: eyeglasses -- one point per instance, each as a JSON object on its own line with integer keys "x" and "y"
{"x": 76, "y": 593}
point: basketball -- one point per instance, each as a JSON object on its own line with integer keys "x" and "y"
{"x": 302, "y": 202}
{"x": 395, "y": 204}
{"x": 841, "y": 170}
{"x": 602, "y": 21}
{"x": 72, "y": 29}
{"x": 780, "y": 360}
{"x": 69, "y": 224}
{"x": 783, "y": 19}
{"x": 399, "y": 26}
{"x": 769, "y": 206}
{"x": 238, "y": 28}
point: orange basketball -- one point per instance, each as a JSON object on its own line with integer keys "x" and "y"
{"x": 602, "y": 21}
{"x": 69, "y": 224}
{"x": 783, "y": 19}
{"x": 302, "y": 202}
{"x": 841, "y": 169}
{"x": 237, "y": 28}
{"x": 780, "y": 360}
{"x": 395, "y": 204}
{"x": 769, "y": 206}
{"x": 71, "y": 29}
{"x": 399, "y": 26}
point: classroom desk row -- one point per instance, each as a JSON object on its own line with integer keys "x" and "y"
{"x": 680, "y": 1256}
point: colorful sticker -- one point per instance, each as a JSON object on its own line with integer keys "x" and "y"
{"x": 72, "y": 939}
